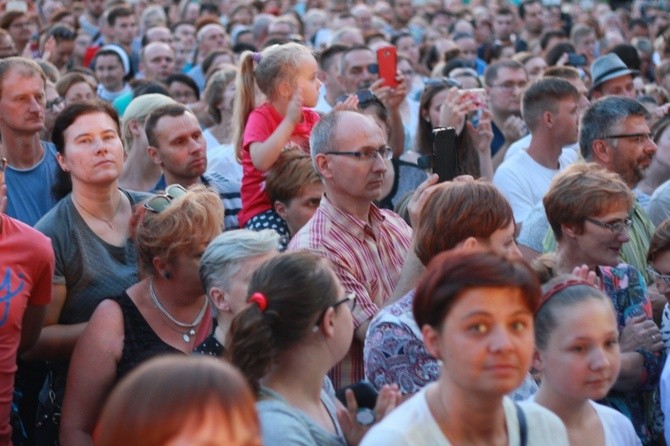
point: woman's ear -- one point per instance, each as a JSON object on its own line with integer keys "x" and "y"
{"x": 218, "y": 297}
{"x": 538, "y": 364}
{"x": 160, "y": 265}
{"x": 328, "y": 323}
{"x": 569, "y": 231}
{"x": 61, "y": 162}
{"x": 135, "y": 128}
{"x": 469, "y": 243}
{"x": 430, "y": 340}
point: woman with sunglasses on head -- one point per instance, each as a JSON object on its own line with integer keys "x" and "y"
{"x": 588, "y": 209}
{"x": 444, "y": 104}
{"x": 298, "y": 326}
{"x": 577, "y": 353}
{"x": 166, "y": 312}
{"x": 475, "y": 309}
{"x": 89, "y": 232}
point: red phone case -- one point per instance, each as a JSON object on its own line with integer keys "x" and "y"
{"x": 387, "y": 61}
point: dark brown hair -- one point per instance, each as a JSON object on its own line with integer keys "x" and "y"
{"x": 298, "y": 287}
{"x": 660, "y": 241}
{"x": 453, "y": 272}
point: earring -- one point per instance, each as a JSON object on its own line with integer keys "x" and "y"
{"x": 167, "y": 275}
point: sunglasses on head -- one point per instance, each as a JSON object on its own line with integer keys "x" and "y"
{"x": 365, "y": 98}
{"x": 158, "y": 203}
{"x": 442, "y": 82}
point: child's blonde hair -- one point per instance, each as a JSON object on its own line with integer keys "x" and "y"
{"x": 274, "y": 64}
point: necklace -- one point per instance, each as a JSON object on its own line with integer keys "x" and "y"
{"x": 190, "y": 327}
{"x": 109, "y": 222}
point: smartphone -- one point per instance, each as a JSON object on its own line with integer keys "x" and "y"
{"x": 576, "y": 60}
{"x": 445, "y": 154}
{"x": 387, "y": 60}
{"x": 478, "y": 96}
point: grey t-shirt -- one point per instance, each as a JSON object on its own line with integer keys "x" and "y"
{"x": 284, "y": 425}
{"x": 91, "y": 268}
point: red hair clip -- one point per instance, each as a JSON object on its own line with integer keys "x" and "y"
{"x": 260, "y": 300}
{"x": 560, "y": 287}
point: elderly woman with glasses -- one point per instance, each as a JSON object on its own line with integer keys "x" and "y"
{"x": 444, "y": 104}
{"x": 166, "y": 312}
{"x": 588, "y": 209}
{"x": 89, "y": 232}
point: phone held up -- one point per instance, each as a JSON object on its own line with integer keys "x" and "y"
{"x": 387, "y": 60}
{"x": 445, "y": 154}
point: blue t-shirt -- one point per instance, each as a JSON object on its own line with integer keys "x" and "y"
{"x": 29, "y": 194}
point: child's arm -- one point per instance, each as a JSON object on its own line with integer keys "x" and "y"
{"x": 264, "y": 154}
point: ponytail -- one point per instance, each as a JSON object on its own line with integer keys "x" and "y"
{"x": 245, "y": 100}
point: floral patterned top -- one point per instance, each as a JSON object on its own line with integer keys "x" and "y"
{"x": 628, "y": 291}
{"x": 394, "y": 353}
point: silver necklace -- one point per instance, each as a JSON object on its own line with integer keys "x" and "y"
{"x": 190, "y": 327}
{"x": 109, "y": 222}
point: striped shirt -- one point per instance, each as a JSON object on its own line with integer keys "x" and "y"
{"x": 367, "y": 258}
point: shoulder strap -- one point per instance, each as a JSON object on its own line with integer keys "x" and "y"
{"x": 523, "y": 427}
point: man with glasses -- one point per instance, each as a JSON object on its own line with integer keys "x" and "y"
{"x": 505, "y": 81}
{"x": 178, "y": 146}
{"x": 615, "y": 134}
{"x": 366, "y": 245}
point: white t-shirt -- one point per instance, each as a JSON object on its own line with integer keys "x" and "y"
{"x": 221, "y": 159}
{"x": 413, "y": 424}
{"x": 619, "y": 431}
{"x": 523, "y": 181}
{"x": 569, "y": 155}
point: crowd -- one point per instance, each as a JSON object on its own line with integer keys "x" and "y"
{"x": 220, "y": 222}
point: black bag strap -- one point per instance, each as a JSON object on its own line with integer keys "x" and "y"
{"x": 523, "y": 427}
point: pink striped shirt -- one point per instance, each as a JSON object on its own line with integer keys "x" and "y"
{"x": 367, "y": 257}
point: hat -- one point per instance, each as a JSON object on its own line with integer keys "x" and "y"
{"x": 125, "y": 60}
{"x": 608, "y": 67}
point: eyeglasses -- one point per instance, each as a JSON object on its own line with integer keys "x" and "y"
{"x": 55, "y": 103}
{"x": 510, "y": 85}
{"x": 441, "y": 82}
{"x": 158, "y": 203}
{"x": 367, "y": 153}
{"x": 617, "y": 227}
{"x": 349, "y": 299}
{"x": 658, "y": 277}
{"x": 639, "y": 138}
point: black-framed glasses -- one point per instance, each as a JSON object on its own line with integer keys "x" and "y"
{"x": 640, "y": 138}
{"x": 441, "y": 82}
{"x": 658, "y": 277}
{"x": 349, "y": 299}
{"x": 158, "y": 203}
{"x": 367, "y": 153}
{"x": 616, "y": 227}
{"x": 55, "y": 103}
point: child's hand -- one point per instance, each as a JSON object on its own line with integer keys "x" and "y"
{"x": 294, "y": 110}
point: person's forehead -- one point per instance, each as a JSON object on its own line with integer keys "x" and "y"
{"x": 617, "y": 81}
{"x": 361, "y": 131}
{"x": 511, "y": 74}
{"x": 155, "y": 51}
{"x": 358, "y": 57}
{"x": 175, "y": 126}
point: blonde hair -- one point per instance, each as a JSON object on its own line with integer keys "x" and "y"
{"x": 276, "y": 64}
{"x": 138, "y": 110}
{"x": 190, "y": 220}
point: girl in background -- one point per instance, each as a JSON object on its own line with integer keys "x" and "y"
{"x": 577, "y": 351}
{"x": 287, "y": 76}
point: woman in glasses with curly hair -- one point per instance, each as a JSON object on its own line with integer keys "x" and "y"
{"x": 165, "y": 313}
{"x": 588, "y": 209}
